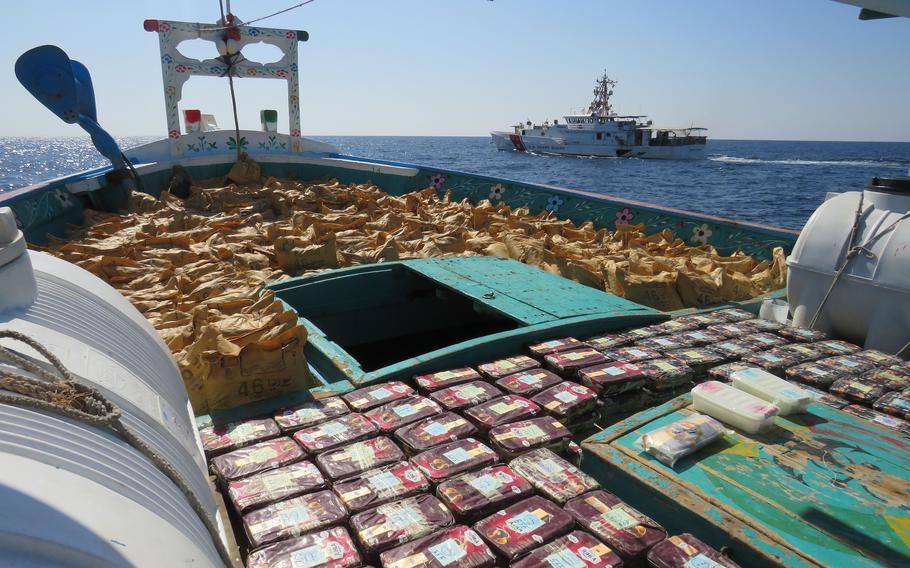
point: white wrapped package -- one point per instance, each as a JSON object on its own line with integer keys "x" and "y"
{"x": 681, "y": 438}
{"x": 789, "y": 398}
{"x": 731, "y": 406}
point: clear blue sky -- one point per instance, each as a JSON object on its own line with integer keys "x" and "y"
{"x": 747, "y": 69}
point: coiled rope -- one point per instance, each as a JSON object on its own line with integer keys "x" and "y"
{"x": 65, "y": 396}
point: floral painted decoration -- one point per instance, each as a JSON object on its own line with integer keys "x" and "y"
{"x": 496, "y": 192}
{"x": 701, "y": 234}
{"x": 554, "y": 203}
{"x": 624, "y": 216}
{"x": 436, "y": 180}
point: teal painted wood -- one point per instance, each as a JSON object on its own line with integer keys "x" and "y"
{"x": 824, "y": 488}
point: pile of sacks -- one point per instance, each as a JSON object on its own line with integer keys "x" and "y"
{"x": 196, "y": 267}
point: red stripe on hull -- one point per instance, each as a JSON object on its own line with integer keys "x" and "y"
{"x": 516, "y": 141}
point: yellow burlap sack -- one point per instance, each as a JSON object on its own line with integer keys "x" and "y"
{"x": 657, "y": 291}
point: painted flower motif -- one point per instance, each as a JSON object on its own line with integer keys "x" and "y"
{"x": 293, "y": 67}
{"x": 291, "y": 35}
{"x": 170, "y": 90}
{"x": 251, "y": 72}
{"x": 701, "y": 234}
{"x": 166, "y": 58}
{"x": 173, "y": 134}
{"x": 63, "y": 197}
{"x": 624, "y": 216}
{"x": 180, "y": 68}
{"x": 295, "y": 132}
{"x": 496, "y": 192}
{"x": 554, "y": 203}
{"x": 214, "y": 69}
{"x": 281, "y": 73}
{"x": 164, "y": 27}
{"x": 293, "y": 99}
{"x": 253, "y": 31}
{"x": 436, "y": 180}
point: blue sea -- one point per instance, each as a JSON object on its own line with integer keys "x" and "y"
{"x": 776, "y": 183}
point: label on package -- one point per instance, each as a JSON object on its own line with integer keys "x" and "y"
{"x": 383, "y": 481}
{"x": 524, "y": 522}
{"x": 435, "y": 429}
{"x": 334, "y": 429}
{"x": 457, "y": 455}
{"x": 381, "y": 393}
{"x": 293, "y": 516}
{"x": 565, "y": 396}
{"x": 405, "y": 410}
{"x": 564, "y": 559}
{"x": 447, "y": 551}
{"x": 618, "y": 518}
{"x": 486, "y": 485}
{"x": 701, "y": 561}
{"x": 532, "y": 431}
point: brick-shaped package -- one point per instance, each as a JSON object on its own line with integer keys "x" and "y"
{"x": 502, "y": 410}
{"x": 553, "y": 477}
{"x": 528, "y": 383}
{"x": 442, "y": 379}
{"x": 627, "y": 531}
{"x": 434, "y": 431}
{"x": 458, "y": 546}
{"x": 476, "y": 494}
{"x": 335, "y": 433}
{"x": 274, "y": 485}
{"x": 219, "y": 439}
{"x": 392, "y": 524}
{"x": 365, "y": 398}
{"x": 392, "y": 416}
{"x": 293, "y": 517}
{"x": 522, "y": 527}
{"x": 454, "y": 458}
{"x": 577, "y": 549}
{"x": 263, "y": 456}
{"x": 332, "y": 548}
{"x": 356, "y": 458}
{"x": 311, "y": 413}
{"x": 381, "y": 485}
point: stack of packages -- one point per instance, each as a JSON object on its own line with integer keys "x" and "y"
{"x": 467, "y": 467}
{"x": 196, "y": 267}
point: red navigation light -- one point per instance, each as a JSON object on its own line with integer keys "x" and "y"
{"x": 150, "y": 25}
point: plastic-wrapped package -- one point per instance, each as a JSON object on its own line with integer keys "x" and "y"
{"x": 640, "y": 333}
{"x": 836, "y": 347}
{"x": 610, "y": 341}
{"x": 664, "y": 374}
{"x": 522, "y": 527}
{"x": 311, "y": 413}
{"x": 293, "y": 517}
{"x": 555, "y": 345}
{"x": 701, "y": 320}
{"x": 275, "y": 485}
{"x": 698, "y": 358}
{"x": 442, "y": 379}
{"x": 892, "y": 378}
{"x": 434, "y": 431}
{"x": 766, "y": 340}
{"x": 661, "y": 343}
{"x": 528, "y": 383}
{"x": 722, "y": 372}
{"x": 553, "y": 477}
{"x": 577, "y": 549}
{"x": 879, "y": 358}
{"x": 681, "y": 438}
{"x": 731, "y": 330}
{"x": 686, "y": 551}
{"x": 627, "y": 531}
{"x": 697, "y": 338}
{"x": 458, "y": 546}
{"x": 857, "y": 389}
{"x": 358, "y": 457}
{"x": 458, "y": 397}
{"x": 335, "y": 433}
{"x": 502, "y": 367}
{"x": 511, "y": 440}
{"x": 732, "y": 406}
{"x": 567, "y": 401}
{"x": 502, "y": 410}
{"x": 801, "y": 334}
{"x": 393, "y": 415}
{"x": 392, "y": 524}
{"x": 759, "y": 324}
{"x": 454, "y": 458}
{"x": 381, "y": 485}
{"x": 332, "y": 548}
{"x": 813, "y": 374}
{"x": 614, "y": 378}
{"x": 478, "y": 494}
{"x": 894, "y": 403}
{"x": 879, "y": 418}
{"x": 847, "y": 364}
{"x": 803, "y": 352}
{"x": 733, "y": 314}
{"x": 672, "y": 326}
{"x": 733, "y": 349}
{"x": 789, "y": 398}
{"x": 219, "y": 439}
{"x": 632, "y": 354}
{"x": 263, "y": 456}
{"x": 823, "y": 396}
{"x": 775, "y": 361}
{"x": 365, "y": 398}
{"x": 627, "y": 402}
{"x": 566, "y": 363}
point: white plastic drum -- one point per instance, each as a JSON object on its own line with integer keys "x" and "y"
{"x": 74, "y": 495}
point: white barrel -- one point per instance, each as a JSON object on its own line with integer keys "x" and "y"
{"x": 870, "y": 304}
{"x": 73, "y": 494}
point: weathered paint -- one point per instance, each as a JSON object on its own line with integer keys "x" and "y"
{"x": 824, "y": 488}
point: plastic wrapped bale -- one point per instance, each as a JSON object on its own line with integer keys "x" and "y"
{"x": 435, "y": 431}
{"x": 731, "y": 330}
{"x": 454, "y": 458}
{"x": 847, "y": 364}
{"x": 442, "y": 379}
{"x": 879, "y": 358}
{"x": 834, "y": 347}
{"x": 803, "y": 352}
{"x": 522, "y": 527}
{"x": 665, "y": 374}
{"x": 332, "y": 548}
{"x": 675, "y": 441}
{"x": 775, "y": 361}
{"x": 640, "y": 333}
{"x": 366, "y": 398}
{"x": 894, "y": 403}
{"x": 611, "y": 341}
{"x": 567, "y": 363}
{"x": 879, "y": 418}
{"x": 577, "y": 549}
{"x": 627, "y": 531}
{"x": 824, "y": 397}
{"x": 263, "y": 456}
{"x": 699, "y": 359}
{"x": 336, "y": 433}
{"x": 459, "y": 546}
{"x": 392, "y": 416}
{"x": 813, "y": 374}
{"x": 894, "y": 378}
{"x": 553, "y": 477}
{"x": 763, "y": 325}
{"x": 381, "y": 485}
{"x": 219, "y": 439}
{"x": 356, "y": 458}
{"x": 722, "y": 372}
{"x": 461, "y": 396}
{"x": 801, "y": 334}
{"x": 766, "y": 340}
{"x": 733, "y": 349}
{"x": 632, "y": 354}
{"x": 274, "y": 485}
{"x": 501, "y": 367}
{"x": 512, "y": 440}
{"x": 293, "y": 517}
{"x": 392, "y": 524}
{"x": 857, "y": 389}
{"x": 502, "y": 410}
{"x": 701, "y": 320}
{"x": 609, "y": 379}
{"x": 672, "y": 326}
{"x": 698, "y": 338}
{"x": 528, "y": 383}
{"x": 567, "y": 401}
{"x": 686, "y": 551}
{"x": 733, "y": 314}
{"x": 477, "y": 494}
{"x": 311, "y": 413}
{"x": 661, "y": 343}
{"x": 555, "y": 345}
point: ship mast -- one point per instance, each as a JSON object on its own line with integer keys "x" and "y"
{"x": 600, "y": 106}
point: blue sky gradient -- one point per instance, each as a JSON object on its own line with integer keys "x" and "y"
{"x": 746, "y": 69}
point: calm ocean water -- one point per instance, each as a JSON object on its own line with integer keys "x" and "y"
{"x": 777, "y": 183}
